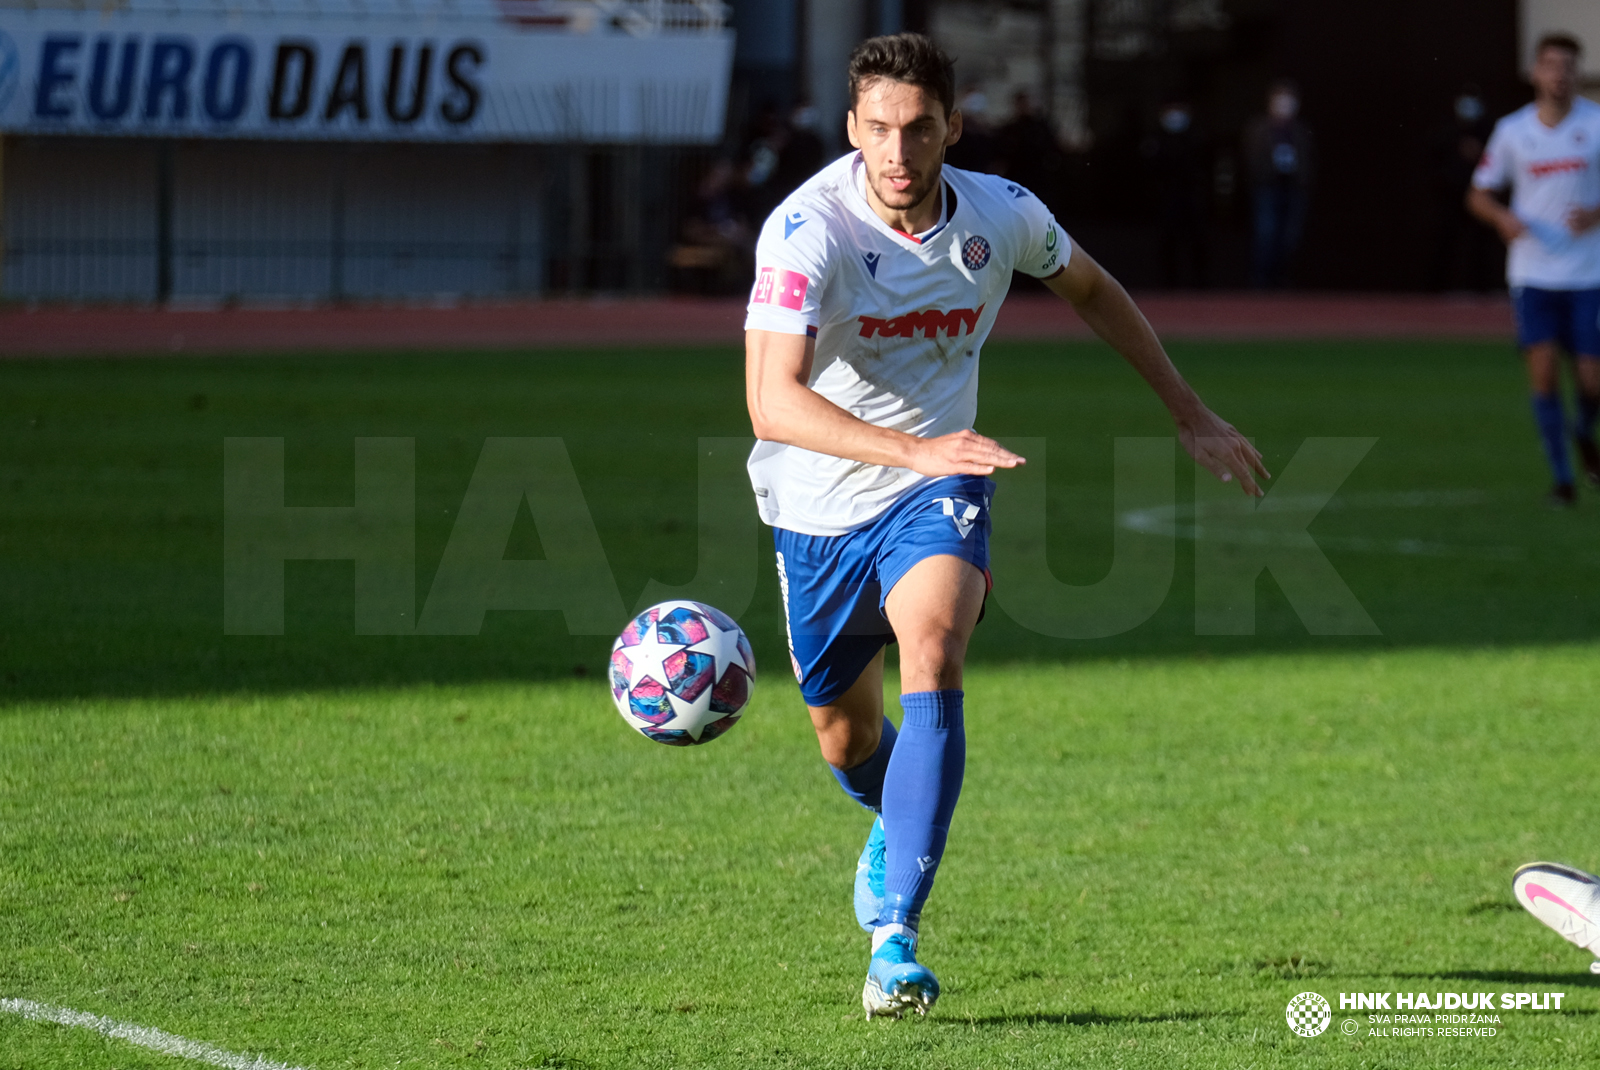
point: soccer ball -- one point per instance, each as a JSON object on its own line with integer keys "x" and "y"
{"x": 681, "y": 672}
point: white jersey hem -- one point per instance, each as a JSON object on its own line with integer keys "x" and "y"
{"x": 827, "y": 531}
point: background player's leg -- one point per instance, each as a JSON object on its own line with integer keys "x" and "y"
{"x": 1588, "y": 373}
{"x": 1544, "y": 383}
{"x": 932, "y": 609}
{"x": 856, "y": 738}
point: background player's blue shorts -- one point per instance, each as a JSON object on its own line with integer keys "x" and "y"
{"x": 1571, "y": 317}
{"x": 834, "y": 586}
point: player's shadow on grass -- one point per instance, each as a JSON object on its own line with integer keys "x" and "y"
{"x": 1510, "y": 977}
{"x": 1084, "y": 1018}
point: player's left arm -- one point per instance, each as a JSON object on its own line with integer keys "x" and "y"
{"x": 1106, "y": 307}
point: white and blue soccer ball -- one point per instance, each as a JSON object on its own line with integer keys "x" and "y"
{"x": 681, "y": 673}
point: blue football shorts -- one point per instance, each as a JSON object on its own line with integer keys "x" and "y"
{"x": 834, "y": 586}
{"x": 1570, "y": 317}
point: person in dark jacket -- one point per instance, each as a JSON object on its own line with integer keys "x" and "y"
{"x": 1027, "y": 150}
{"x": 1465, "y": 255}
{"x": 1177, "y": 163}
{"x": 1280, "y": 157}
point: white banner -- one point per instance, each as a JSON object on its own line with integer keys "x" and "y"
{"x": 375, "y": 78}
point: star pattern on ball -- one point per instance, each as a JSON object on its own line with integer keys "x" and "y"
{"x": 723, "y": 646}
{"x": 648, "y": 658}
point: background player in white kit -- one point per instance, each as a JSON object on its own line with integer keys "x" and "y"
{"x": 877, "y": 283}
{"x": 1548, "y": 153}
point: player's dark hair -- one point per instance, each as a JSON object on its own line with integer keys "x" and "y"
{"x": 904, "y": 57}
{"x": 1563, "y": 41}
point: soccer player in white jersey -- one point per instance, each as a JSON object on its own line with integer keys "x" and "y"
{"x": 877, "y": 283}
{"x": 1548, "y": 153}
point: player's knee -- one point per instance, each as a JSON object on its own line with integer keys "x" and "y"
{"x": 936, "y": 655}
{"x": 844, "y": 749}
{"x": 847, "y": 742}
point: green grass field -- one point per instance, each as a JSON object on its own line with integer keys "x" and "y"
{"x": 362, "y": 851}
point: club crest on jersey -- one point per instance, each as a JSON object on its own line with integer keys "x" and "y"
{"x": 975, "y": 252}
{"x": 961, "y": 513}
{"x": 791, "y": 223}
{"x": 872, "y": 262}
{"x": 930, "y": 322}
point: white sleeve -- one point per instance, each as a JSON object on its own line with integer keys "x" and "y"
{"x": 1494, "y": 169}
{"x": 791, "y": 270}
{"x": 1043, "y": 247}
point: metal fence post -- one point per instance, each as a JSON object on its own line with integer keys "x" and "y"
{"x": 336, "y": 225}
{"x": 578, "y": 223}
{"x": 632, "y": 196}
{"x": 2, "y": 215}
{"x": 164, "y": 208}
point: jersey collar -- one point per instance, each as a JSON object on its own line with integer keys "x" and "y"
{"x": 947, "y": 211}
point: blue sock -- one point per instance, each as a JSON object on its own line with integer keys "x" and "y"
{"x": 1588, "y": 410}
{"x": 864, "y": 782}
{"x": 919, "y": 797}
{"x": 1552, "y": 420}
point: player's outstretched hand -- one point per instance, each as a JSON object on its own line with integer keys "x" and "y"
{"x": 1583, "y": 220}
{"x": 965, "y": 453}
{"x": 1223, "y": 451}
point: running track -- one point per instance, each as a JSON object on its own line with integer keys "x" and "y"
{"x": 688, "y": 321}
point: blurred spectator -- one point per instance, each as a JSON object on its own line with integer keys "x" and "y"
{"x": 763, "y": 144}
{"x": 1178, "y": 163}
{"x": 800, "y": 152}
{"x": 976, "y": 149}
{"x": 781, "y": 153}
{"x": 1027, "y": 151}
{"x": 733, "y": 200}
{"x": 1465, "y": 255}
{"x": 1279, "y": 155}
{"x": 717, "y": 254}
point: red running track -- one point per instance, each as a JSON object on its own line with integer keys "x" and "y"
{"x": 688, "y": 321}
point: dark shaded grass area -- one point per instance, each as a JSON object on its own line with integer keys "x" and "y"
{"x": 111, "y": 530}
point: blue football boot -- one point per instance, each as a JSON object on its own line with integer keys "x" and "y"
{"x": 869, "y": 878}
{"x": 896, "y": 980}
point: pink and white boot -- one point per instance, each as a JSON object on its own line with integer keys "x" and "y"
{"x": 1566, "y": 899}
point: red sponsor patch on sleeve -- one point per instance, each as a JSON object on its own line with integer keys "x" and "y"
{"x": 786, "y": 289}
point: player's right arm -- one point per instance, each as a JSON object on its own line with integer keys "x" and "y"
{"x": 1494, "y": 173}
{"x": 783, "y": 408}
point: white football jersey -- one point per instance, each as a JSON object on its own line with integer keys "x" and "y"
{"x": 899, "y": 323}
{"x": 1550, "y": 171}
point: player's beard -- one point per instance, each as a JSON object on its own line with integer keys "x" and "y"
{"x": 922, "y": 185}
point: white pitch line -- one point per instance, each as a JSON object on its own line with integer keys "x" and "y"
{"x": 142, "y": 1035}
